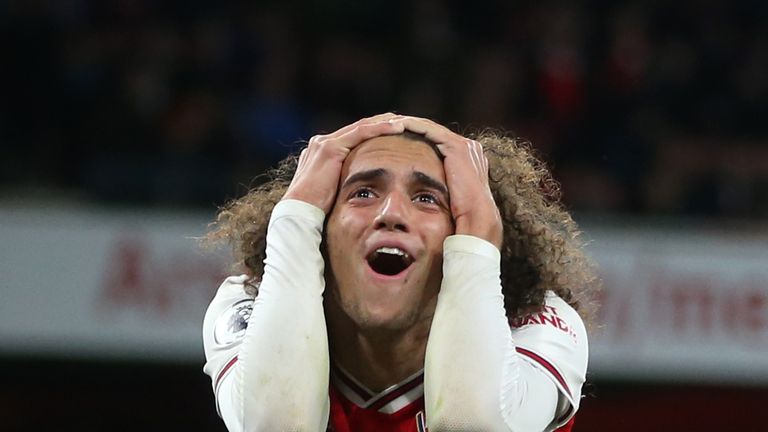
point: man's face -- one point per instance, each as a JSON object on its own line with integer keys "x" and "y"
{"x": 385, "y": 233}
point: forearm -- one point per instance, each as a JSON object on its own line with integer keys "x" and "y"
{"x": 473, "y": 376}
{"x": 281, "y": 379}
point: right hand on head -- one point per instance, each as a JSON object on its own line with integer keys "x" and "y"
{"x": 317, "y": 176}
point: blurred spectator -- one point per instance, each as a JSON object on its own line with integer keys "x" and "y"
{"x": 644, "y": 108}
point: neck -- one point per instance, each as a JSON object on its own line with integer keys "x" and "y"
{"x": 377, "y": 358}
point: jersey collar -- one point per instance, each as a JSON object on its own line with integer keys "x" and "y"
{"x": 388, "y": 401}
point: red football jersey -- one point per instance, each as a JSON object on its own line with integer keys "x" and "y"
{"x": 399, "y": 408}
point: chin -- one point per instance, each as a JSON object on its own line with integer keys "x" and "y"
{"x": 386, "y": 318}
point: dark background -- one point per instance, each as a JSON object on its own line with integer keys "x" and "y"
{"x": 40, "y": 395}
{"x": 642, "y": 109}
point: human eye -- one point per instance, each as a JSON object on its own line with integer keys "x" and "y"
{"x": 426, "y": 198}
{"x": 362, "y": 193}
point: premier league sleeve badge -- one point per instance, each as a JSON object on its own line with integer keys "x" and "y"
{"x": 231, "y": 325}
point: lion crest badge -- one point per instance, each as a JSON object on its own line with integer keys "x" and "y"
{"x": 230, "y": 326}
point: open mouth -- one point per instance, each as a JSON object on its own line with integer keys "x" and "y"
{"x": 389, "y": 260}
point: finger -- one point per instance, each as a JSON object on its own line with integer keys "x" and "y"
{"x": 355, "y": 130}
{"x": 380, "y": 117}
{"x": 314, "y": 141}
{"x": 365, "y": 132}
{"x": 477, "y": 152}
{"x": 437, "y": 127}
{"x": 472, "y": 156}
{"x": 302, "y": 160}
{"x": 367, "y": 120}
{"x": 428, "y": 123}
{"x": 311, "y": 148}
{"x": 486, "y": 165}
{"x": 432, "y": 131}
{"x": 483, "y": 158}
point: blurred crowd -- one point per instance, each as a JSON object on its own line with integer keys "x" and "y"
{"x": 639, "y": 107}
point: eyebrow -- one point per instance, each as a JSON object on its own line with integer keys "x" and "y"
{"x": 366, "y": 176}
{"x": 430, "y": 182}
{"x": 378, "y": 173}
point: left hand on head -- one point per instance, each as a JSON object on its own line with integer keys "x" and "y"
{"x": 466, "y": 171}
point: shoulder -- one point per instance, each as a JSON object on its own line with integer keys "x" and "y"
{"x": 554, "y": 340}
{"x": 227, "y": 316}
{"x": 556, "y": 316}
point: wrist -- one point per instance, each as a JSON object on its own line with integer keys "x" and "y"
{"x": 307, "y": 198}
{"x": 486, "y": 228}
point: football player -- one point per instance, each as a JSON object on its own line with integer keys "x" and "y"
{"x": 401, "y": 277}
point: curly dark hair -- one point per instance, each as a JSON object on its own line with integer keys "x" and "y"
{"x": 542, "y": 248}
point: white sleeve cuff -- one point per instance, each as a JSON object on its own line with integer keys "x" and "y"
{"x": 463, "y": 243}
{"x": 297, "y": 208}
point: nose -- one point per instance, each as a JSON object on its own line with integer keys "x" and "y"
{"x": 393, "y": 213}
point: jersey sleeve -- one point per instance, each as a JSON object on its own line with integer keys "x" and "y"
{"x": 223, "y": 330}
{"x": 554, "y": 341}
{"x": 268, "y": 356}
{"x": 476, "y": 376}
